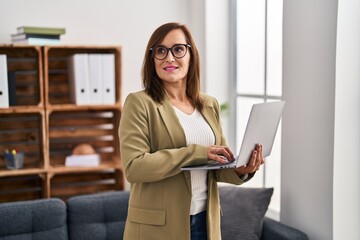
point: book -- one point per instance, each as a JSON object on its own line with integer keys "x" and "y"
{"x": 108, "y": 78}
{"x": 78, "y": 72}
{"x": 22, "y": 36}
{"x": 91, "y": 160}
{"x": 4, "y": 91}
{"x": 37, "y": 41}
{"x": 40, "y": 30}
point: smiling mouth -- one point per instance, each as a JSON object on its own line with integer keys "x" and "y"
{"x": 170, "y": 68}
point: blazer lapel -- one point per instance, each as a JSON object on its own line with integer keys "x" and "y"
{"x": 174, "y": 130}
{"x": 172, "y": 123}
{"x": 210, "y": 116}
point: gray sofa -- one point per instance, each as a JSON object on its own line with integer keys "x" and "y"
{"x": 102, "y": 217}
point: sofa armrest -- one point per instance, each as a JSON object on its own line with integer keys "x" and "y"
{"x": 273, "y": 230}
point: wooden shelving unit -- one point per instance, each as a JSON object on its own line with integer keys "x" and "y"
{"x": 47, "y": 126}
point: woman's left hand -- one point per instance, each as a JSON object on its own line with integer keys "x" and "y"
{"x": 256, "y": 160}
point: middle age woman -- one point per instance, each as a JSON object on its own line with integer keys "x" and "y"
{"x": 168, "y": 125}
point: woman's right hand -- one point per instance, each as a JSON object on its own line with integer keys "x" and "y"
{"x": 221, "y": 154}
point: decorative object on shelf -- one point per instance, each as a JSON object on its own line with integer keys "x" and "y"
{"x": 83, "y": 149}
{"x": 83, "y": 155}
{"x": 37, "y": 35}
{"x": 14, "y": 159}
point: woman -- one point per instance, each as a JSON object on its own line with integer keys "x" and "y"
{"x": 167, "y": 126}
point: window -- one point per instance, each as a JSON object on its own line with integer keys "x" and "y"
{"x": 257, "y": 49}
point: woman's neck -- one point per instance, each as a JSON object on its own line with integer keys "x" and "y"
{"x": 179, "y": 99}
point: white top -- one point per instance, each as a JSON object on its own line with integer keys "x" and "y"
{"x": 197, "y": 131}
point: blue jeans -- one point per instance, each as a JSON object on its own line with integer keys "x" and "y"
{"x": 198, "y": 226}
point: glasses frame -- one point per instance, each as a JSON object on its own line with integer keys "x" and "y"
{"x": 171, "y": 50}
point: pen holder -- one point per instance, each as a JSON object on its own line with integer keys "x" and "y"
{"x": 15, "y": 162}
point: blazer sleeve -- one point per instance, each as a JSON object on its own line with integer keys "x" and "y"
{"x": 136, "y": 133}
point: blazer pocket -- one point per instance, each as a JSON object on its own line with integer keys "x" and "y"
{"x": 146, "y": 216}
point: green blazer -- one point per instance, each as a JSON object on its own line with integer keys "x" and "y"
{"x": 153, "y": 148}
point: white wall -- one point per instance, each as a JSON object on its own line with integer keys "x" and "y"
{"x": 308, "y": 121}
{"x": 347, "y": 123}
{"x": 116, "y": 22}
{"x": 217, "y": 52}
{"x": 321, "y": 131}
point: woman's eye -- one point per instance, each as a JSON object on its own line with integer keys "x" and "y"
{"x": 178, "y": 49}
{"x": 160, "y": 50}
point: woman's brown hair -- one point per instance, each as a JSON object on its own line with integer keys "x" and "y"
{"x": 153, "y": 84}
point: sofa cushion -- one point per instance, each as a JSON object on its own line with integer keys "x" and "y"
{"x": 43, "y": 219}
{"x": 97, "y": 216}
{"x": 243, "y": 211}
{"x": 274, "y": 230}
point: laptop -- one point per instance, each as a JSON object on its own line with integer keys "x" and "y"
{"x": 261, "y": 128}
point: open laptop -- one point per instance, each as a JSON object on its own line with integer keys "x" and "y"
{"x": 261, "y": 128}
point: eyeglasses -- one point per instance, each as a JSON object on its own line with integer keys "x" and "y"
{"x": 178, "y": 51}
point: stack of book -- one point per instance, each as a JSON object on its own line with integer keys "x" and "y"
{"x": 37, "y": 35}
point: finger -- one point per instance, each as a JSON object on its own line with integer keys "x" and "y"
{"x": 260, "y": 159}
{"x": 226, "y": 152}
{"x": 252, "y": 162}
{"x": 230, "y": 153}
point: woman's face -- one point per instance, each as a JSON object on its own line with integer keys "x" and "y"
{"x": 171, "y": 69}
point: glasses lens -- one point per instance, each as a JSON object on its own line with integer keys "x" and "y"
{"x": 160, "y": 52}
{"x": 179, "y": 50}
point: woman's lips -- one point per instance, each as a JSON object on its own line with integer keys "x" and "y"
{"x": 170, "y": 68}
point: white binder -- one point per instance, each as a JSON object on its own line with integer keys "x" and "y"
{"x": 78, "y": 67}
{"x": 108, "y": 77}
{"x": 4, "y": 91}
{"x": 96, "y": 82}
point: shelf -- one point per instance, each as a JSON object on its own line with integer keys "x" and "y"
{"x": 21, "y": 172}
{"x": 25, "y": 76}
{"x": 46, "y": 125}
{"x": 21, "y": 109}
{"x": 21, "y": 187}
{"x": 57, "y": 86}
{"x": 23, "y": 132}
{"x": 66, "y": 170}
{"x": 65, "y": 185}
{"x": 67, "y": 129}
{"x": 73, "y": 107}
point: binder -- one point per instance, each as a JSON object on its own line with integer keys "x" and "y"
{"x": 12, "y": 87}
{"x": 95, "y": 76}
{"x": 4, "y": 91}
{"x": 108, "y": 77}
{"x": 78, "y": 67}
